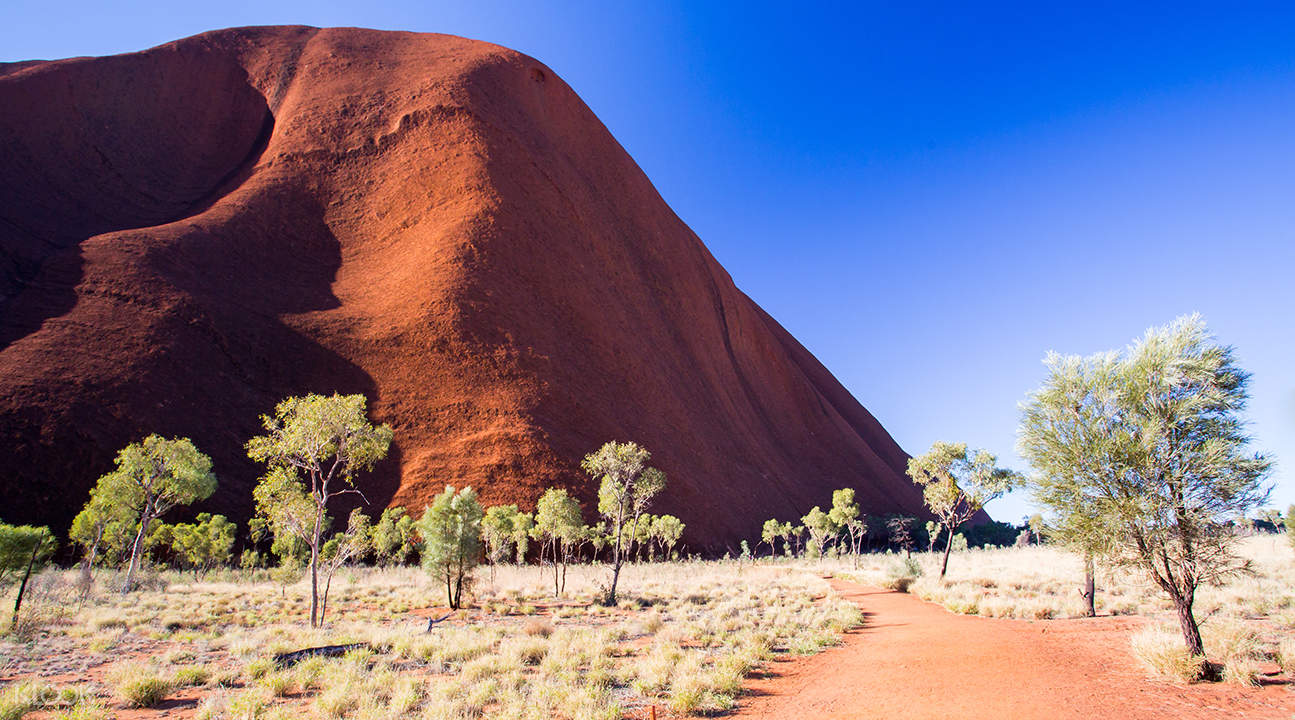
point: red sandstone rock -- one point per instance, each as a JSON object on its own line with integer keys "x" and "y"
{"x": 190, "y": 233}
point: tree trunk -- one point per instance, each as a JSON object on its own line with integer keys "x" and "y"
{"x": 948, "y": 546}
{"x": 87, "y": 565}
{"x": 1191, "y": 632}
{"x": 314, "y": 568}
{"x": 323, "y": 606}
{"x": 136, "y": 550}
{"x": 22, "y": 588}
{"x": 556, "y": 590}
{"x": 1090, "y": 586}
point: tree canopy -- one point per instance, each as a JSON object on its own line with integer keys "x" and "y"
{"x": 151, "y": 478}
{"x": 956, "y": 483}
{"x": 451, "y": 530}
{"x": 313, "y": 447}
{"x": 1141, "y": 457}
{"x": 626, "y": 487}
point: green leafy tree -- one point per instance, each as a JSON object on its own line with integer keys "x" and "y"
{"x": 667, "y": 530}
{"x": 23, "y": 550}
{"x": 102, "y": 528}
{"x": 796, "y": 534}
{"x": 451, "y": 530}
{"x": 957, "y": 483}
{"x": 347, "y": 546}
{"x": 558, "y": 526}
{"x": 1142, "y": 459}
{"x": 642, "y": 536}
{"x": 770, "y": 533}
{"x": 932, "y": 534}
{"x": 1036, "y": 526}
{"x": 959, "y": 542}
{"x": 523, "y": 524}
{"x": 626, "y": 487}
{"x": 19, "y": 544}
{"x": 318, "y": 444}
{"x": 394, "y": 537}
{"x": 821, "y": 528}
{"x": 151, "y": 478}
{"x": 203, "y": 544}
{"x": 845, "y": 515}
{"x": 498, "y": 533}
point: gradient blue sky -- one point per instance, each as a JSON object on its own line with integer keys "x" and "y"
{"x": 929, "y": 197}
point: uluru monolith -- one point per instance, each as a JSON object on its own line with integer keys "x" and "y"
{"x": 190, "y": 233}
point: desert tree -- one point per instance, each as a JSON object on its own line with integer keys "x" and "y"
{"x": 523, "y": 524}
{"x": 23, "y": 550}
{"x": 625, "y": 491}
{"x": 667, "y": 530}
{"x": 900, "y": 529}
{"x": 845, "y": 516}
{"x": 956, "y": 484}
{"x": 394, "y": 537}
{"x": 150, "y": 479}
{"x": 770, "y": 533}
{"x": 796, "y": 534}
{"x": 787, "y": 532}
{"x": 348, "y": 545}
{"x": 1037, "y": 526}
{"x": 498, "y": 533}
{"x": 932, "y": 534}
{"x": 206, "y": 542}
{"x": 451, "y": 530}
{"x": 101, "y": 528}
{"x": 1142, "y": 458}
{"x": 821, "y": 529}
{"x": 317, "y": 443}
{"x": 642, "y": 537}
{"x": 558, "y": 527}
{"x": 18, "y": 545}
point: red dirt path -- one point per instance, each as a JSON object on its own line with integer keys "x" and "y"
{"x": 914, "y": 660}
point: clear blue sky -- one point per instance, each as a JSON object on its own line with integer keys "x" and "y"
{"x": 929, "y": 197}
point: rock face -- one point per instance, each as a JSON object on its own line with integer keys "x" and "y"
{"x": 190, "y": 233}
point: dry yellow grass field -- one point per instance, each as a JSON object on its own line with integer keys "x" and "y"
{"x": 683, "y": 638}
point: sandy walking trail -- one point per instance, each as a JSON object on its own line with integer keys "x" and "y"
{"x": 914, "y": 659}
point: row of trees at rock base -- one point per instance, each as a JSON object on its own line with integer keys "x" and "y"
{"x": 314, "y": 447}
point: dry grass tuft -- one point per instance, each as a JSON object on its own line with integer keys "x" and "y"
{"x": 1164, "y": 655}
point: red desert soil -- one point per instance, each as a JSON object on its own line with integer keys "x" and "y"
{"x": 190, "y": 233}
{"x": 914, "y": 660}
